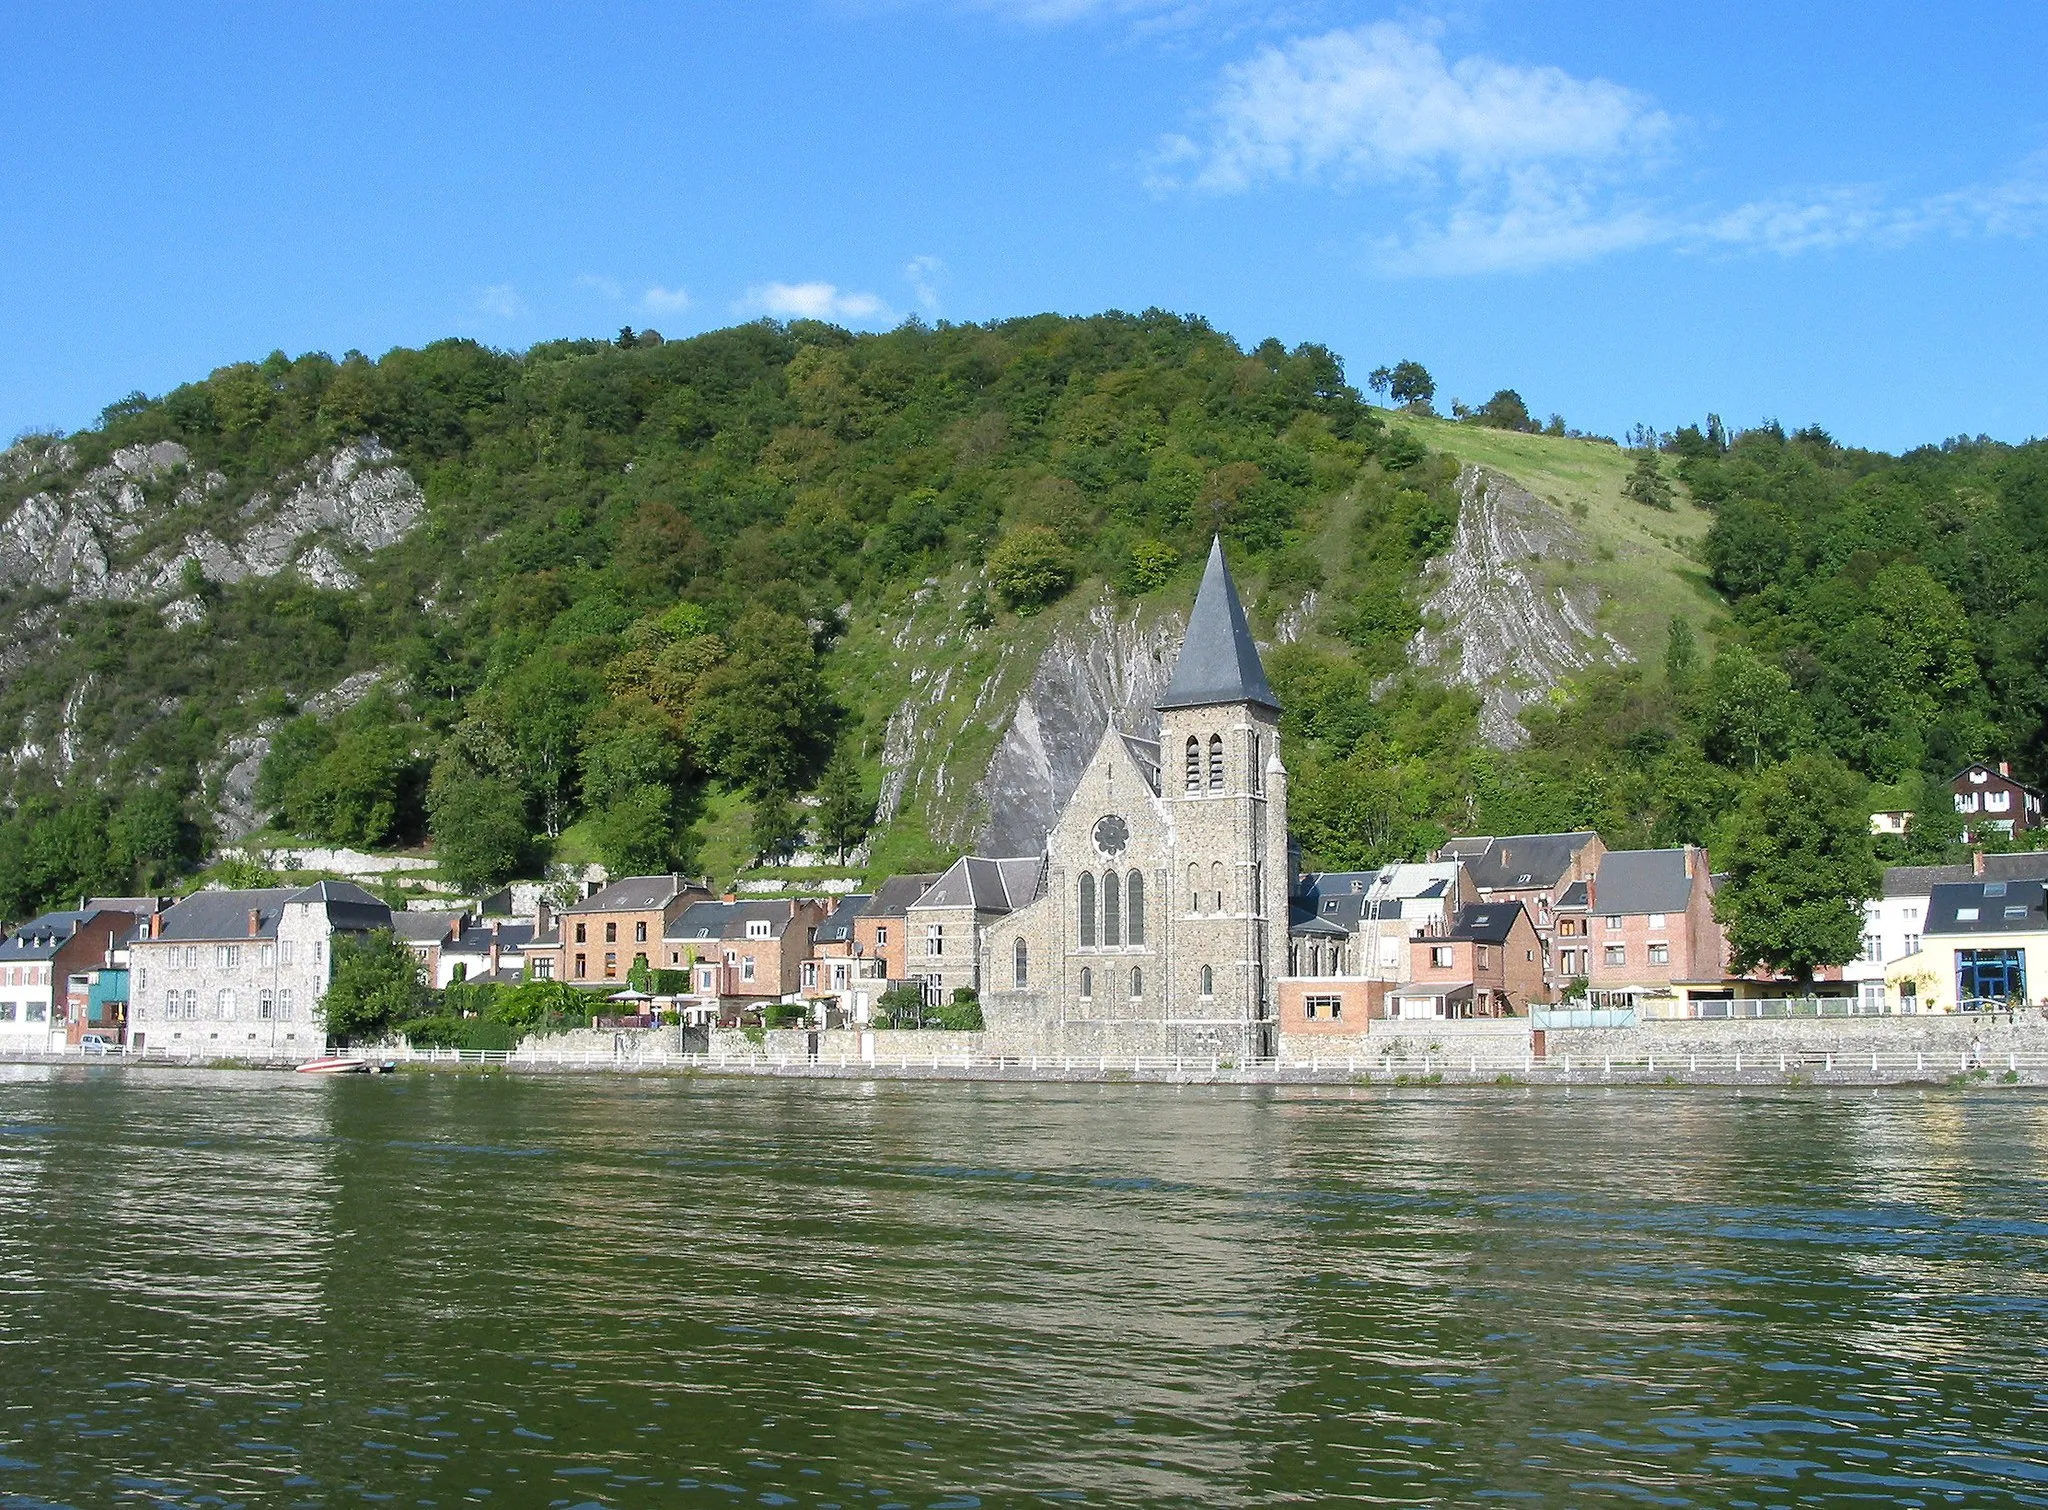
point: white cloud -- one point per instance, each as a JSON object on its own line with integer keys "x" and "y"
{"x": 500, "y": 301}
{"x": 812, "y": 301}
{"x": 1382, "y": 103}
{"x": 664, "y": 301}
{"x": 923, "y": 274}
{"x": 607, "y": 287}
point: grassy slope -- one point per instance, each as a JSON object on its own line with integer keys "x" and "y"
{"x": 1646, "y": 567}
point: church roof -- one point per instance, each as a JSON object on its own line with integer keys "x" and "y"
{"x": 1218, "y": 661}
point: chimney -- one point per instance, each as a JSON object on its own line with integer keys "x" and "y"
{"x": 1688, "y": 862}
{"x": 730, "y": 896}
{"x": 2005, "y": 769}
{"x": 255, "y": 922}
{"x": 494, "y": 952}
{"x": 156, "y": 925}
{"x": 1977, "y": 862}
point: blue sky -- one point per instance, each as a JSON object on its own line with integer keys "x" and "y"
{"x": 1831, "y": 213}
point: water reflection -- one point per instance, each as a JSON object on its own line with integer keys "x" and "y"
{"x": 445, "y": 1290}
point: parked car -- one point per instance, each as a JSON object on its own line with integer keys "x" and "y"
{"x": 98, "y": 1043}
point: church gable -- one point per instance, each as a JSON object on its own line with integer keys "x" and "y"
{"x": 1115, "y": 789}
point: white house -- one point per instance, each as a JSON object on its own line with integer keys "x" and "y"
{"x": 1895, "y": 923}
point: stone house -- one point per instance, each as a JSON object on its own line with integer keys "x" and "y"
{"x": 1992, "y": 800}
{"x": 947, "y": 922}
{"x": 1160, "y": 922}
{"x": 1487, "y": 963}
{"x": 1641, "y": 930}
{"x": 1984, "y": 944}
{"x": 37, "y": 967}
{"x": 597, "y": 941}
{"x": 744, "y": 953}
{"x": 1533, "y": 869}
{"x": 244, "y": 972}
{"x": 881, "y": 933}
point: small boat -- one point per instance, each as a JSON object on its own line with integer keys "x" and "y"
{"x": 335, "y": 1064}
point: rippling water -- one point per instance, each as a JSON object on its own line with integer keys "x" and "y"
{"x": 221, "y": 1289}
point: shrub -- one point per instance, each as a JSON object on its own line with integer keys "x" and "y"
{"x": 1030, "y": 568}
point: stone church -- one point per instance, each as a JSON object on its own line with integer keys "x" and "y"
{"x": 1160, "y": 919}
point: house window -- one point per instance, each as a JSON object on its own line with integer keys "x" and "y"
{"x": 1021, "y": 973}
{"x": 747, "y": 968}
{"x": 1330, "y": 1008}
{"x": 1087, "y": 983}
{"x": 1617, "y": 954}
{"x": 1087, "y": 909}
{"x": 1112, "y": 893}
{"x": 1137, "y": 984}
{"x": 266, "y": 1006}
{"x": 935, "y": 939}
{"x": 1479, "y": 956}
{"x": 544, "y": 968}
{"x": 582, "y": 965}
{"x": 810, "y": 973}
{"x": 640, "y": 933}
{"x": 611, "y": 933}
{"x": 1567, "y": 961}
{"x": 759, "y": 928}
{"x": 266, "y": 956}
{"x": 1208, "y": 981}
{"x": 1991, "y": 975}
{"x": 582, "y": 933}
{"x": 1441, "y": 956}
{"x": 881, "y": 937}
{"x": 224, "y": 1004}
{"x": 1215, "y": 762}
{"x": 1873, "y": 948}
{"x": 284, "y": 952}
{"x": 1660, "y": 954}
{"x": 1614, "y": 922}
{"x": 1912, "y": 943}
{"x": 1656, "y": 920}
{"x": 1997, "y": 802}
{"x": 284, "y": 1005}
{"x": 227, "y": 956}
{"x": 1135, "y": 919}
{"x": 1194, "y": 764}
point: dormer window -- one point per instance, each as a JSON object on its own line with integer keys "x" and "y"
{"x": 1994, "y": 888}
{"x": 758, "y": 928}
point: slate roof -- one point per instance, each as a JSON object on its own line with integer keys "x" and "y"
{"x": 985, "y": 885}
{"x": 476, "y": 937}
{"x": 425, "y": 927}
{"x": 2000, "y": 907}
{"x": 702, "y": 922}
{"x": 636, "y": 894}
{"x": 1634, "y": 881}
{"x": 1146, "y": 753}
{"x": 1218, "y": 661}
{"x": 896, "y": 894}
{"x": 1517, "y": 862}
{"x": 225, "y": 914}
{"x": 838, "y": 928}
{"x": 1349, "y": 898}
{"x": 42, "y": 937}
{"x": 1919, "y": 880}
{"x": 1486, "y": 923}
{"x": 1304, "y": 923}
{"x": 1575, "y": 895}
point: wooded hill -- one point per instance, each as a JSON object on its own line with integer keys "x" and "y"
{"x": 657, "y": 593}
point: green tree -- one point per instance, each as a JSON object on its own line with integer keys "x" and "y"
{"x": 1505, "y": 411}
{"x": 541, "y": 709}
{"x": 1646, "y": 484}
{"x": 637, "y": 833}
{"x": 1800, "y": 866}
{"x": 1750, "y": 714}
{"x": 479, "y": 824}
{"x": 759, "y": 717}
{"x": 844, "y": 808}
{"x": 1681, "y": 654}
{"x": 377, "y": 983}
{"x": 777, "y": 827}
{"x": 1030, "y": 568}
{"x": 152, "y": 839}
{"x": 1407, "y": 383}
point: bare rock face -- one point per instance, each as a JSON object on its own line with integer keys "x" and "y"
{"x": 68, "y": 541}
{"x": 1494, "y": 621}
{"x": 1111, "y": 674}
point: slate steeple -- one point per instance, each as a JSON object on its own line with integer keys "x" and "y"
{"x": 1218, "y": 661}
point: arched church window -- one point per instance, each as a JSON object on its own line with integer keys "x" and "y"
{"x": 1087, "y": 983}
{"x": 1112, "y": 899}
{"x": 1134, "y": 917}
{"x": 1194, "y": 764}
{"x": 1208, "y": 981}
{"x": 1137, "y": 984}
{"x": 1216, "y": 883}
{"x": 1256, "y": 771}
{"x": 1087, "y": 909}
{"x": 1023, "y": 971}
{"x": 1215, "y": 762}
{"x": 1194, "y": 887}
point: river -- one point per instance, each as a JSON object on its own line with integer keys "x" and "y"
{"x": 253, "y": 1289}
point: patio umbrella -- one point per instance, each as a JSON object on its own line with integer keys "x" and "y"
{"x": 629, "y": 995}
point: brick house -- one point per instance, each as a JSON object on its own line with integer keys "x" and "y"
{"x": 1487, "y": 963}
{"x": 1992, "y": 800}
{"x": 744, "y": 953}
{"x": 1642, "y": 928}
{"x": 1533, "y": 869}
{"x": 836, "y": 976}
{"x": 597, "y": 941}
{"x": 36, "y": 968}
{"x": 882, "y": 930}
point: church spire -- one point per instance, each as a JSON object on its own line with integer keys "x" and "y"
{"x": 1218, "y": 661}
